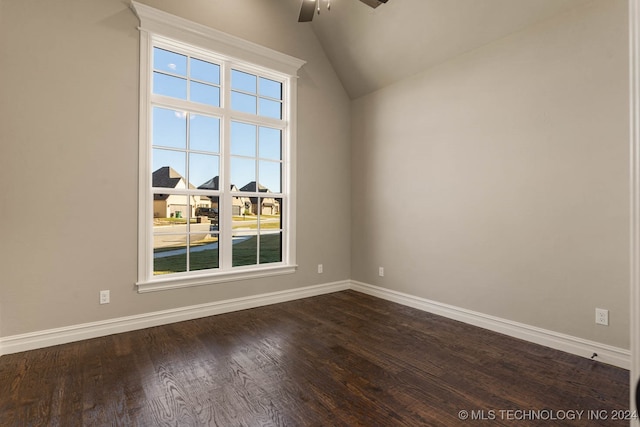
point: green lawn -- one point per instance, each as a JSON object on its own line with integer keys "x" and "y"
{"x": 263, "y": 226}
{"x": 253, "y": 217}
{"x": 244, "y": 253}
{"x": 205, "y": 241}
{"x": 173, "y": 221}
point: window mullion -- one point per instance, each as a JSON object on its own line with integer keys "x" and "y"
{"x": 226, "y": 227}
{"x": 189, "y": 194}
{"x": 181, "y": 104}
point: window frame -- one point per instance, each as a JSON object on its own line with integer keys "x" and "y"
{"x": 166, "y": 31}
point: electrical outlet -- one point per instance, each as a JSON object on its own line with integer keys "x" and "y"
{"x": 381, "y": 271}
{"x": 320, "y": 268}
{"x": 105, "y": 297}
{"x": 602, "y": 316}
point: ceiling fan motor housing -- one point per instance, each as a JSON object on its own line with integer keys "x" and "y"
{"x": 374, "y": 3}
{"x": 309, "y": 7}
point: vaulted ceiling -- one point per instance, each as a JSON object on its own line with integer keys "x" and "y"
{"x": 372, "y": 48}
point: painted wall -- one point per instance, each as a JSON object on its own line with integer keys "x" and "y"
{"x": 68, "y": 139}
{"x": 514, "y": 158}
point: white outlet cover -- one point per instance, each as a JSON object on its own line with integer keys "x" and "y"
{"x": 602, "y": 316}
{"x": 105, "y": 297}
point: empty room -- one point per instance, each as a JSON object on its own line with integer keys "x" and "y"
{"x": 313, "y": 212}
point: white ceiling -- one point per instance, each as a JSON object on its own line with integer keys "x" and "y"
{"x": 372, "y": 48}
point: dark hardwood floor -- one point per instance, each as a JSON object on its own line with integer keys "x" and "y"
{"x": 339, "y": 359}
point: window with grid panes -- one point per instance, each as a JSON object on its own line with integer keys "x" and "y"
{"x": 216, "y": 165}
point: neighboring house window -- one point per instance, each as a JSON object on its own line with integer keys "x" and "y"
{"x": 217, "y": 152}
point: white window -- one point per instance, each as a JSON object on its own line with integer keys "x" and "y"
{"x": 217, "y": 156}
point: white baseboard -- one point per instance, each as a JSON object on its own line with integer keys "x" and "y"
{"x": 581, "y": 347}
{"x": 578, "y": 346}
{"x": 50, "y": 337}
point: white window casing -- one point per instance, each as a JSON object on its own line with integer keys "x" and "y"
{"x": 163, "y": 30}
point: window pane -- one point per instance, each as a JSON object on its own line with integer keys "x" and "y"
{"x": 205, "y": 94}
{"x": 270, "y": 218}
{"x": 169, "y": 128}
{"x": 174, "y": 63}
{"x": 204, "y": 255}
{"x": 270, "y": 247}
{"x": 178, "y": 207}
{"x": 169, "y": 215}
{"x": 207, "y": 211}
{"x": 168, "y": 169}
{"x": 169, "y": 254}
{"x": 243, "y": 214}
{"x": 174, "y": 87}
{"x": 270, "y": 88}
{"x": 270, "y": 108}
{"x": 243, "y": 103}
{"x": 204, "y": 134}
{"x": 270, "y": 143}
{"x": 243, "y": 173}
{"x": 203, "y": 169}
{"x": 245, "y": 249}
{"x": 204, "y": 243}
{"x": 270, "y": 175}
{"x": 170, "y": 233}
{"x": 205, "y": 71}
{"x": 243, "y": 139}
{"x": 243, "y": 81}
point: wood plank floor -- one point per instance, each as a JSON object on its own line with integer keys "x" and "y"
{"x": 339, "y": 359}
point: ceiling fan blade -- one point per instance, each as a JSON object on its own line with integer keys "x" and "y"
{"x": 373, "y": 3}
{"x": 307, "y": 10}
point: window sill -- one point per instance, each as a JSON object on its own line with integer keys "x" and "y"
{"x": 161, "y": 283}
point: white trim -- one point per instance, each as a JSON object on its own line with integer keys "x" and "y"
{"x": 173, "y": 282}
{"x": 145, "y": 198}
{"x": 578, "y": 346}
{"x": 50, "y": 337}
{"x": 634, "y": 154}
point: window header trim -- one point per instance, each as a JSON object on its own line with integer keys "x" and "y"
{"x": 155, "y": 21}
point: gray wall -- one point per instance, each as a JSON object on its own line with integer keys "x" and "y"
{"x": 68, "y": 158}
{"x": 498, "y": 181}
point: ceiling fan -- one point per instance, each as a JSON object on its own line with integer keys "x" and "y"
{"x": 309, "y": 7}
